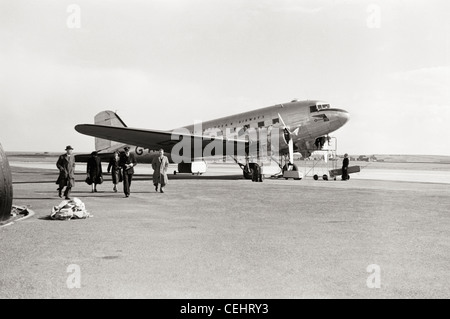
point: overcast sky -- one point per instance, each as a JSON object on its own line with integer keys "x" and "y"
{"x": 167, "y": 63}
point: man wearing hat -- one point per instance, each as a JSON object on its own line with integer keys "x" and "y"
{"x": 66, "y": 178}
{"x": 127, "y": 162}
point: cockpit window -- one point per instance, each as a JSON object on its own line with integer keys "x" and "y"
{"x": 318, "y": 107}
{"x": 323, "y": 106}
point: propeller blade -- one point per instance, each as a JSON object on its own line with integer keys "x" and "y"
{"x": 291, "y": 151}
{"x": 284, "y": 124}
{"x": 289, "y": 139}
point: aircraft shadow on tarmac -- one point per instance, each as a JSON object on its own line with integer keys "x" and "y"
{"x": 34, "y": 182}
{"x": 189, "y": 176}
{"x": 36, "y": 198}
{"x": 137, "y": 177}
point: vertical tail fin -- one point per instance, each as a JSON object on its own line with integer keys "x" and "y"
{"x": 108, "y": 118}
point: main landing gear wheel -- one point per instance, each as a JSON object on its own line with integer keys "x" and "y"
{"x": 6, "y": 190}
{"x": 248, "y": 171}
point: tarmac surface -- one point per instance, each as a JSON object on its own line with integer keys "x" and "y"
{"x": 220, "y": 236}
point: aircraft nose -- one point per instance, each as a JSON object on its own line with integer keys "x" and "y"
{"x": 343, "y": 116}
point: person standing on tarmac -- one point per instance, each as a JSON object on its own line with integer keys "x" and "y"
{"x": 127, "y": 162}
{"x": 114, "y": 168}
{"x": 94, "y": 170}
{"x": 66, "y": 178}
{"x": 160, "y": 165}
{"x": 345, "y": 163}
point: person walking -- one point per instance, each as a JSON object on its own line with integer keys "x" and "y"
{"x": 94, "y": 170}
{"x": 66, "y": 178}
{"x": 345, "y": 163}
{"x": 160, "y": 165}
{"x": 115, "y": 170}
{"x": 127, "y": 163}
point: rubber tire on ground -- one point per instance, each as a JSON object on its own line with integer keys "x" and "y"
{"x": 248, "y": 174}
{"x": 6, "y": 190}
{"x": 316, "y": 177}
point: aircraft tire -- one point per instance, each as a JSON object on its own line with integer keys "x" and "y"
{"x": 6, "y": 190}
{"x": 248, "y": 174}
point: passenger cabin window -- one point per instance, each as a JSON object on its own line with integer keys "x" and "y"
{"x": 261, "y": 124}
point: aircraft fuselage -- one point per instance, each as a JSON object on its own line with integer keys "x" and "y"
{"x": 312, "y": 118}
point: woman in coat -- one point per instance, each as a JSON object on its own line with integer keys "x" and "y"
{"x": 114, "y": 168}
{"x": 94, "y": 170}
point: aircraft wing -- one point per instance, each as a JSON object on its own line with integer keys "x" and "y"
{"x": 154, "y": 139}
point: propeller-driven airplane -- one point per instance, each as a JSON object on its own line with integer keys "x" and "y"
{"x": 278, "y": 130}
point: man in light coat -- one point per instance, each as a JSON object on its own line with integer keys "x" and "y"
{"x": 66, "y": 178}
{"x": 160, "y": 165}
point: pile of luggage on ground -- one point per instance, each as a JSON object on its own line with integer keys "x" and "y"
{"x": 70, "y": 209}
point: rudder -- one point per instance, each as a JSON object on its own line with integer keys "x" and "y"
{"x": 108, "y": 118}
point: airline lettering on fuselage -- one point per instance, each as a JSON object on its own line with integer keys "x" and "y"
{"x": 139, "y": 150}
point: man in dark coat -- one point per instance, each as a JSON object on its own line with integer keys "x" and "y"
{"x": 66, "y": 166}
{"x": 160, "y": 165}
{"x": 114, "y": 168}
{"x": 94, "y": 170}
{"x": 127, "y": 162}
{"x": 345, "y": 163}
